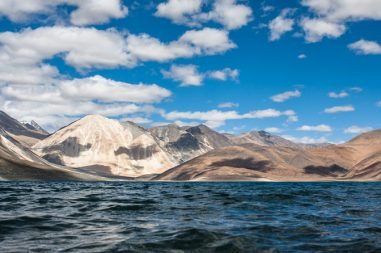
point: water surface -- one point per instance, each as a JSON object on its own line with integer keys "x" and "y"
{"x": 190, "y": 217}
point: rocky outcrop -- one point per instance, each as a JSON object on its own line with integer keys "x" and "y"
{"x": 185, "y": 143}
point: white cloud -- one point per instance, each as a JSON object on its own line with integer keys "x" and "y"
{"x": 341, "y": 94}
{"x": 332, "y": 16}
{"x": 343, "y": 10}
{"x": 208, "y": 41}
{"x": 188, "y": 75}
{"x": 274, "y": 130}
{"x": 336, "y": 109}
{"x": 285, "y": 96}
{"x": 306, "y": 139}
{"x": 217, "y": 118}
{"x": 230, "y": 14}
{"x": 316, "y": 29}
{"x": 224, "y": 74}
{"x": 228, "y": 105}
{"x": 107, "y": 90}
{"x": 280, "y": 25}
{"x": 179, "y": 11}
{"x": 86, "y": 89}
{"x": 79, "y": 47}
{"x": 302, "y": 56}
{"x": 85, "y": 12}
{"x": 189, "y": 12}
{"x": 317, "y": 128}
{"x": 365, "y": 47}
{"x": 22, "y": 54}
{"x": 357, "y": 130}
{"x": 63, "y": 101}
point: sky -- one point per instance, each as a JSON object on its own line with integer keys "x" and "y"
{"x": 307, "y": 70}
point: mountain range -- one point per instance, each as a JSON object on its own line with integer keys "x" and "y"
{"x": 98, "y": 148}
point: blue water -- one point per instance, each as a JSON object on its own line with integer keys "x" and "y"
{"x": 190, "y": 217}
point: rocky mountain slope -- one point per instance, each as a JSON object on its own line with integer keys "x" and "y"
{"x": 103, "y": 147}
{"x": 106, "y": 147}
{"x": 34, "y": 126}
{"x": 263, "y": 138}
{"x": 17, "y": 162}
{"x": 28, "y": 134}
{"x": 358, "y": 159}
{"x": 185, "y": 143}
{"x": 256, "y": 163}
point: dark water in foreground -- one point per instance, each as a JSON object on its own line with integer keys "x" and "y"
{"x": 190, "y": 217}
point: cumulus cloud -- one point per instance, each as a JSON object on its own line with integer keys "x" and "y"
{"x": 332, "y": 16}
{"x": 107, "y": 90}
{"x": 316, "y": 29}
{"x": 228, "y": 105}
{"x": 228, "y": 13}
{"x": 179, "y": 11}
{"x": 23, "y": 54}
{"x": 317, "y": 128}
{"x": 216, "y": 118}
{"x": 207, "y": 41}
{"x": 188, "y": 75}
{"x": 357, "y": 130}
{"x": 279, "y": 98}
{"x": 224, "y": 74}
{"x": 56, "y": 104}
{"x": 85, "y": 12}
{"x": 341, "y": 94}
{"x": 336, "y": 109}
{"x": 342, "y": 10}
{"x": 280, "y": 25}
{"x": 365, "y": 47}
{"x": 79, "y": 47}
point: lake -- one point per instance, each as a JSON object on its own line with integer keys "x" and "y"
{"x": 190, "y": 217}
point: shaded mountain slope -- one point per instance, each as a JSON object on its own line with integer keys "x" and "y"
{"x": 255, "y": 162}
{"x": 358, "y": 159}
{"x": 26, "y": 134}
{"x": 185, "y": 143}
{"x": 17, "y": 162}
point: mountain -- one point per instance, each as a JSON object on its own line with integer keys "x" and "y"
{"x": 263, "y": 138}
{"x": 35, "y": 127}
{"x": 358, "y": 159}
{"x": 366, "y": 155}
{"x": 17, "y": 162}
{"x": 22, "y": 133}
{"x": 185, "y": 143}
{"x": 105, "y": 147}
{"x": 256, "y": 163}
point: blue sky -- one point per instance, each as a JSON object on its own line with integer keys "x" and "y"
{"x": 308, "y": 70}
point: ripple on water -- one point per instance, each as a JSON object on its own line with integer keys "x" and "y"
{"x": 189, "y": 217}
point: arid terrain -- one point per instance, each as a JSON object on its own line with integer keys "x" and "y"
{"x": 98, "y": 148}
